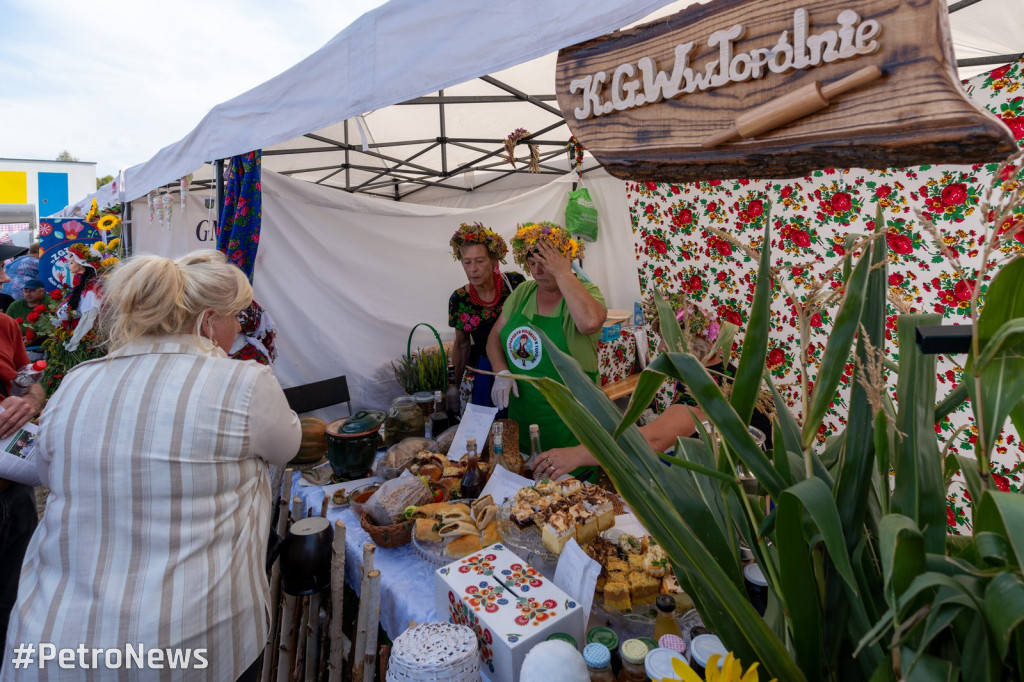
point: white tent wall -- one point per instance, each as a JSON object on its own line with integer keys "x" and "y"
{"x": 346, "y": 277}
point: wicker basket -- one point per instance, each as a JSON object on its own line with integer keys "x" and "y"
{"x": 511, "y": 459}
{"x": 435, "y": 651}
{"x": 394, "y": 535}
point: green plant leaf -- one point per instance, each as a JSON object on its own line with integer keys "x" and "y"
{"x": 1004, "y": 607}
{"x": 789, "y": 429}
{"x": 999, "y": 372}
{"x": 797, "y": 584}
{"x": 853, "y": 479}
{"x": 731, "y": 428}
{"x": 747, "y": 383}
{"x": 918, "y": 491}
{"x": 902, "y": 548}
{"x": 1003, "y": 514}
{"x": 837, "y": 350}
{"x": 955, "y": 398}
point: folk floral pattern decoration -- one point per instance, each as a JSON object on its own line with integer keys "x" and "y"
{"x": 242, "y": 212}
{"x": 521, "y": 577}
{"x": 535, "y": 612}
{"x": 486, "y": 596}
{"x": 481, "y": 564}
{"x": 813, "y": 220}
{"x": 463, "y": 615}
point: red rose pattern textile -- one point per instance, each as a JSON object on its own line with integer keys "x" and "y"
{"x": 811, "y": 219}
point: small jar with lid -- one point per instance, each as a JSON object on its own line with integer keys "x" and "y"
{"x": 702, "y": 648}
{"x": 610, "y": 640}
{"x": 404, "y": 420}
{"x": 633, "y": 653}
{"x": 599, "y": 662}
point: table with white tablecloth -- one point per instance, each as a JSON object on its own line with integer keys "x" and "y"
{"x": 407, "y": 581}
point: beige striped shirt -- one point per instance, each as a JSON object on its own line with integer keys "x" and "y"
{"x": 156, "y": 527}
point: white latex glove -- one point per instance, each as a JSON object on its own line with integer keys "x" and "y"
{"x": 503, "y": 385}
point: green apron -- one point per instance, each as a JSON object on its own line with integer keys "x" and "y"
{"x": 526, "y": 355}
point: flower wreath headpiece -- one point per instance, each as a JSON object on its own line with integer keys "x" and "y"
{"x": 527, "y": 235}
{"x": 99, "y": 256}
{"x": 477, "y": 233}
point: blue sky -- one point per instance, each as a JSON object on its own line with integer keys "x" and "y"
{"x": 113, "y": 81}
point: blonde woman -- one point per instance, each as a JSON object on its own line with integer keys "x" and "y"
{"x": 157, "y": 459}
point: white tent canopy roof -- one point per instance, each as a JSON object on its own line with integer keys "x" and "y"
{"x": 409, "y": 79}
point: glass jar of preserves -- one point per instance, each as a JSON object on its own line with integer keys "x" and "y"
{"x": 404, "y": 420}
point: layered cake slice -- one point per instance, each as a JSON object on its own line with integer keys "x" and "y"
{"x": 616, "y": 594}
{"x": 586, "y": 524}
{"x": 556, "y": 531}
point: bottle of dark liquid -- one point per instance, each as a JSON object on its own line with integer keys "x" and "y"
{"x": 452, "y": 401}
{"x": 473, "y": 480}
{"x": 438, "y": 418}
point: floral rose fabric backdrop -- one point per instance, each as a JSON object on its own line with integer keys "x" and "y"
{"x": 811, "y": 220}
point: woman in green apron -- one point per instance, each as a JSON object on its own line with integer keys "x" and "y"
{"x": 568, "y": 311}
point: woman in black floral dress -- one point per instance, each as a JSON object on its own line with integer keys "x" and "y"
{"x": 473, "y": 308}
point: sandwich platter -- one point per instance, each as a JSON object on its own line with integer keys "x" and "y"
{"x": 446, "y": 531}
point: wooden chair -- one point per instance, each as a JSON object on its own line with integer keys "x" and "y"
{"x": 319, "y": 394}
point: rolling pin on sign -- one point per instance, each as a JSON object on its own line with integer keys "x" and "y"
{"x": 788, "y": 108}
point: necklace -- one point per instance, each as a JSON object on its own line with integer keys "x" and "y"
{"x": 475, "y": 297}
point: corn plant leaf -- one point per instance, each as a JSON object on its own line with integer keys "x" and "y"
{"x": 837, "y": 350}
{"x": 927, "y": 668}
{"x": 853, "y": 478}
{"x": 674, "y": 340}
{"x": 1003, "y": 514}
{"x": 953, "y": 400}
{"x": 901, "y": 546}
{"x": 999, "y": 386}
{"x": 719, "y": 596}
{"x": 918, "y": 491}
{"x": 816, "y": 499}
{"x": 747, "y": 383}
{"x": 731, "y": 428}
{"x": 797, "y": 584}
{"x": 789, "y": 429}
{"x": 1004, "y": 608}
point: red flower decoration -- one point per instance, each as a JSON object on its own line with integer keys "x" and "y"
{"x": 29, "y": 334}
{"x": 685, "y": 216}
{"x": 776, "y": 357}
{"x": 816, "y": 320}
{"x": 954, "y": 194}
{"x": 755, "y": 208}
{"x": 40, "y": 308}
{"x": 963, "y": 290}
{"x": 723, "y": 247}
{"x": 32, "y": 317}
{"x": 882, "y": 191}
{"x": 1002, "y": 482}
{"x": 899, "y": 243}
{"x": 895, "y": 279}
{"x": 950, "y": 517}
{"x": 55, "y": 294}
{"x": 800, "y": 238}
{"x": 787, "y": 192}
{"x": 841, "y": 201}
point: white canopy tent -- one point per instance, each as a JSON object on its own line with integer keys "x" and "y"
{"x": 400, "y": 105}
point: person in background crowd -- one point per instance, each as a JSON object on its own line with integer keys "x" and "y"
{"x": 155, "y": 532}
{"x": 569, "y": 311}
{"x": 34, "y": 294}
{"x": 255, "y": 341}
{"x": 474, "y": 308}
{"x": 20, "y": 270}
{"x": 8, "y": 252}
{"x": 17, "y": 502}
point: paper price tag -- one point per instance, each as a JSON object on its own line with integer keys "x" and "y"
{"x": 577, "y": 575}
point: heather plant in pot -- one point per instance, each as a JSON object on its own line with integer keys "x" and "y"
{"x": 863, "y": 581}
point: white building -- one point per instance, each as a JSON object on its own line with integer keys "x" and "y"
{"x": 48, "y": 185}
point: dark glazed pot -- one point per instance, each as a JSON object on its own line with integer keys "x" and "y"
{"x": 352, "y": 444}
{"x": 306, "y": 557}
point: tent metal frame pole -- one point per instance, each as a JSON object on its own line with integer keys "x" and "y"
{"x": 443, "y": 139}
{"x": 526, "y": 140}
{"x": 348, "y": 175}
{"x": 992, "y": 59}
{"x": 957, "y": 6}
{"x": 378, "y": 155}
{"x": 473, "y": 99}
{"x": 391, "y": 171}
{"x": 127, "y": 232}
{"x": 519, "y": 94}
{"x": 219, "y": 170}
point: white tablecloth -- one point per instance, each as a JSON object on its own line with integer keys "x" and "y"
{"x": 406, "y": 580}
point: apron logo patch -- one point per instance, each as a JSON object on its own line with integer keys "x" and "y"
{"x": 523, "y": 348}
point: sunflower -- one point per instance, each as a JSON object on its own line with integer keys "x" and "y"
{"x": 99, "y": 246}
{"x": 107, "y": 223}
{"x": 113, "y": 244}
{"x": 109, "y": 262}
{"x": 93, "y": 213}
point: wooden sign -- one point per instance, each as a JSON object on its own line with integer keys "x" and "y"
{"x": 734, "y": 88}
